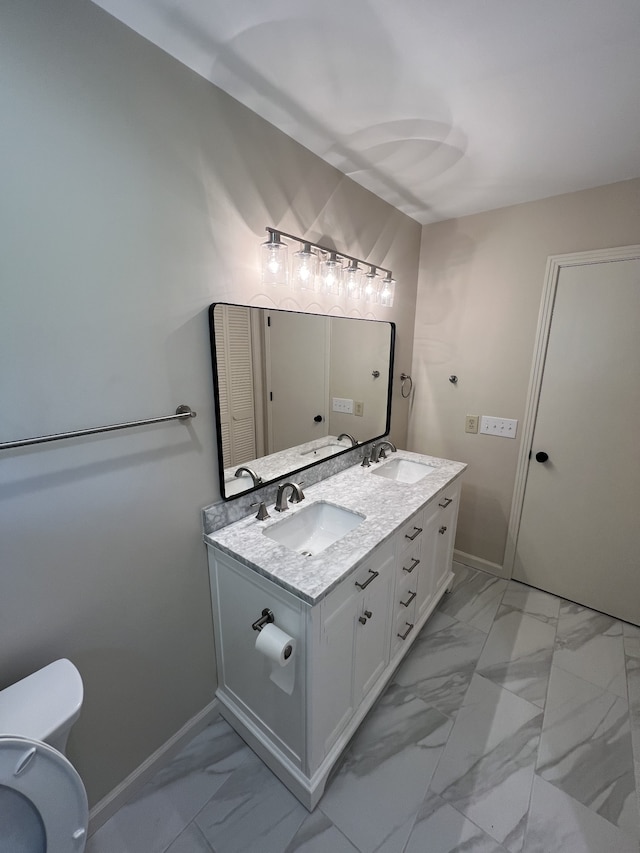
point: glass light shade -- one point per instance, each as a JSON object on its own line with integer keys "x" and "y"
{"x": 275, "y": 261}
{"x": 331, "y": 275}
{"x": 304, "y": 268}
{"x": 371, "y": 286}
{"x": 353, "y": 281}
{"x": 387, "y": 292}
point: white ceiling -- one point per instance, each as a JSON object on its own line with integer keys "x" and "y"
{"x": 441, "y": 107}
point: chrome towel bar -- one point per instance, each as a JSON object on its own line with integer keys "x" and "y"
{"x": 183, "y": 413}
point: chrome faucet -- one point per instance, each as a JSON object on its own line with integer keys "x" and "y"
{"x": 257, "y": 481}
{"x": 297, "y": 495}
{"x": 378, "y": 452}
{"x": 349, "y": 436}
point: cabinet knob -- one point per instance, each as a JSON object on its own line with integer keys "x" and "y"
{"x": 363, "y": 619}
{"x": 443, "y": 529}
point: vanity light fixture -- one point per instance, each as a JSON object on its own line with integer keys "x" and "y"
{"x": 316, "y": 267}
{"x": 275, "y": 264}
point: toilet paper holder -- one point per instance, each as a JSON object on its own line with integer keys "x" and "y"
{"x": 265, "y": 619}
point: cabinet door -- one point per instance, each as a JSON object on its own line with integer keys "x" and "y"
{"x": 372, "y": 631}
{"x": 445, "y": 534}
{"x": 332, "y": 705}
{"x": 428, "y": 557}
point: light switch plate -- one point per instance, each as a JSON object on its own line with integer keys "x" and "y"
{"x": 342, "y": 404}
{"x": 358, "y": 408}
{"x": 505, "y": 427}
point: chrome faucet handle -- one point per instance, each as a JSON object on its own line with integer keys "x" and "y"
{"x": 366, "y": 463}
{"x": 262, "y": 511}
{"x": 382, "y": 454}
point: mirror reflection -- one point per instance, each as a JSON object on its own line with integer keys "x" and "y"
{"x": 294, "y": 389}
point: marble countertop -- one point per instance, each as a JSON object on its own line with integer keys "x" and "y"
{"x": 386, "y": 505}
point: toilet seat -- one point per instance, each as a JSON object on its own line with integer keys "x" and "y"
{"x": 51, "y": 784}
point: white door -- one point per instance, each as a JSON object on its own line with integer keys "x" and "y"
{"x": 579, "y": 534}
{"x": 297, "y": 378}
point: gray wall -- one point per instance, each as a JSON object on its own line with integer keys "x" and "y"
{"x": 479, "y": 292}
{"x": 134, "y": 193}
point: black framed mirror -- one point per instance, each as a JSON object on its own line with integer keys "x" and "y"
{"x": 294, "y": 389}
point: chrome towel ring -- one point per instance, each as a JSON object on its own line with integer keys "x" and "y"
{"x": 404, "y": 378}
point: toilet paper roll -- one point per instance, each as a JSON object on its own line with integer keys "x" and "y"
{"x": 275, "y": 645}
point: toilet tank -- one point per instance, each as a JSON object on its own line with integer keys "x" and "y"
{"x": 43, "y": 706}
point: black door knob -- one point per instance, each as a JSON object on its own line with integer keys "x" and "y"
{"x": 318, "y": 419}
{"x": 541, "y": 456}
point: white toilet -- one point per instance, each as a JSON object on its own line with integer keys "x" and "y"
{"x": 43, "y": 803}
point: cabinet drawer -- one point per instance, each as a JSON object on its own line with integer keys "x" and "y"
{"x": 411, "y": 533}
{"x": 408, "y": 563}
{"x": 447, "y": 505}
{"x": 364, "y": 577}
{"x": 406, "y": 591}
{"x": 403, "y": 628}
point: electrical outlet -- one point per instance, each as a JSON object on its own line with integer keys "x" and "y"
{"x": 471, "y": 423}
{"x": 358, "y": 408}
{"x": 505, "y": 427}
{"x": 341, "y": 404}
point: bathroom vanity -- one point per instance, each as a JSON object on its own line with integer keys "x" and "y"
{"x": 350, "y": 574}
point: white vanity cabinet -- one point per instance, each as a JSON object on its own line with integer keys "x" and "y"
{"x": 348, "y": 643}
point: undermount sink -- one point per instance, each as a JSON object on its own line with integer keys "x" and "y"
{"x": 313, "y": 528}
{"x": 235, "y": 485}
{"x": 404, "y": 470}
{"x": 323, "y": 452}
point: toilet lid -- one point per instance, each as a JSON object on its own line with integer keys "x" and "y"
{"x": 43, "y": 803}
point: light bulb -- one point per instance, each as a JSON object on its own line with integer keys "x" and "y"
{"x": 274, "y": 263}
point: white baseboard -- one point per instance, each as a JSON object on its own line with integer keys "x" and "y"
{"x": 115, "y": 799}
{"x": 479, "y": 563}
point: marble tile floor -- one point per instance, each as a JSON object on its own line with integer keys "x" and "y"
{"x": 512, "y": 726}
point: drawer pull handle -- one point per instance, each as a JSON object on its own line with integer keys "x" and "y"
{"x": 407, "y": 632}
{"x": 409, "y": 600}
{"x": 364, "y": 585}
{"x": 446, "y": 502}
{"x": 443, "y": 529}
{"x": 367, "y": 615}
{"x": 412, "y": 567}
{"x": 418, "y": 531}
